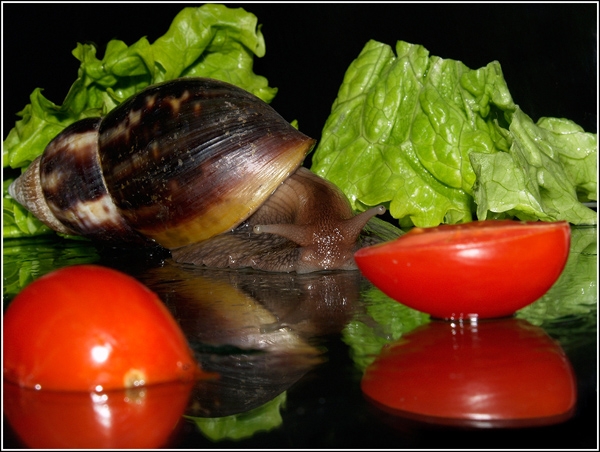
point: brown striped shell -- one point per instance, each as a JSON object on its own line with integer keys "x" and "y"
{"x": 180, "y": 163}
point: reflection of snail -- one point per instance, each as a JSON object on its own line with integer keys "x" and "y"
{"x": 257, "y": 330}
{"x": 254, "y": 310}
{"x": 183, "y": 162}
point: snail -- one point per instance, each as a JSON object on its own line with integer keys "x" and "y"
{"x": 202, "y": 168}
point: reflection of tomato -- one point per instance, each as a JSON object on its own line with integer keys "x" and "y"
{"x": 119, "y": 419}
{"x": 491, "y": 373}
{"x": 90, "y": 328}
{"x": 484, "y": 268}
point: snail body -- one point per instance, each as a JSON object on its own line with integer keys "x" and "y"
{"x": 202, "y": 168}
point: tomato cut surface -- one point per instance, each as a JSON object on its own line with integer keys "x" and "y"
{"x": 480, "y": 269}
{"x": 494, "y": 373}
{"x": 91, "y": 328}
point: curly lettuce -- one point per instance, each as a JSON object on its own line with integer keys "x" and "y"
{"x": 210, "y": 41}
{"x": 437, "y": 142}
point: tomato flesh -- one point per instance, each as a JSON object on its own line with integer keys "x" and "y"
{"x": 91, "y": 328}
{"x": 495, "y": 373}
{"x": 481, "y": 269}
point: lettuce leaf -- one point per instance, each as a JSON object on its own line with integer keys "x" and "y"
{"x": 548, "y": 168}
{"x": 211, "y": 41}
{"x": 437, "y": 142}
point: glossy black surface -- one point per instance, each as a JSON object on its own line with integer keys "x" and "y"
{"x": 291, "y": 350}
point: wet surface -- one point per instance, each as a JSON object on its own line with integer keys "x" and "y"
{"x": 291, "y": 351}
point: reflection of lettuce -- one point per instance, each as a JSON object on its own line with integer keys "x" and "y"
{"x": 387, "y": 320}
{"x": 575, "y": 292}
{"x": 242, "y": 425}
{"x": 569, "y": 310}
{"x": 438, "y": 142}
{"x": 27, "y": 259}
{"x": 210, "y": 41}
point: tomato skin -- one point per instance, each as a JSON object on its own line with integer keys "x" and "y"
{"x": 480, "y": 269}
{"x": 141, "y": 418}
{"x": 91, "y": 328}
{"x": 495, "y": 373}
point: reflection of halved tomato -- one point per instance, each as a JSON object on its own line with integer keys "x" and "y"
{"x": 120, "y": 419}
{"x": 91, "y": 328}
{"x": 494, "y": 373}
{"x": 480, "y": 269}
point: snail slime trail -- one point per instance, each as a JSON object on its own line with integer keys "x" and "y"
{"x": 202, "y": 168}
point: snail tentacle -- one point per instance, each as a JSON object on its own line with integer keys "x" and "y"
{"x": 345, "y": 230}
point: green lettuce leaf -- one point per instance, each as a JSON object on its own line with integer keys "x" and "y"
{"x": 437, "y": 142}
{"x": 549, "y": 166}
{"x": 210, "y": 41}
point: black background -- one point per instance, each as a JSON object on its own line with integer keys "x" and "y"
{"x": 548, "y": 52}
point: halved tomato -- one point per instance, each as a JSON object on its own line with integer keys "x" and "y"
{"x": 92, "y": 328}
{"x": 480, "y": 269}
{"x": 492, "y": 373}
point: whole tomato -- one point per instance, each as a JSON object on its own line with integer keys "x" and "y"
{"x": 91, "y": 328}
{"x": 480, "y": 269}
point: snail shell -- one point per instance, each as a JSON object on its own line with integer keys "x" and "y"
{"x": 202, "y": 168}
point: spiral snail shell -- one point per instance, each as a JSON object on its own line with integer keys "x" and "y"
{"x": 202, "y": 168}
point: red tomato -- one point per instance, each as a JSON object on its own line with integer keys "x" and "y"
{"x": 141, "y": 418}
{"x": 494, "y": 373}
{"x": 91, "y": 328}
{"x": 480, "y": 269}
